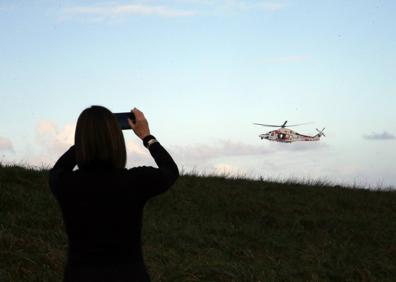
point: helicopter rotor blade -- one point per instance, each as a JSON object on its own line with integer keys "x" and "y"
{"x": 299, "y": 124}
{"x": 283, "y": 125}
{"x": 269, "y": 125}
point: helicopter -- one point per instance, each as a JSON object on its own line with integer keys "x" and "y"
{"x": 285, "y": 135}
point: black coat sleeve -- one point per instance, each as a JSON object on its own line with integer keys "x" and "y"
{"x": 63, "y": 165}
{"x": 157, "y": 180}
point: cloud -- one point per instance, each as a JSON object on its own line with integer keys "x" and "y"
{"x": 119, "y": 10}
{"x": 275, "y": 160}
{"x": 228, "y": 170}
{"x": 52, "y": 139}
{"x": 299, "y": 146}
{"x": 45, "y": 127}
{"x": 137, "y": 155}
{"x": 379, "y": 136}
{"x": 167, "y": 9}
{"x": 50, "y": 143}
{"x": 222, "y": 148}
{"x": 6, "y": 8}
{"x": 6, "y": 145}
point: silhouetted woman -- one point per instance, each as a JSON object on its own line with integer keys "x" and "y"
{"x": 102, "y": 202}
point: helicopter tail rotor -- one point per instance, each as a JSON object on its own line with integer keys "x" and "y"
{"x": 321, "y": 132}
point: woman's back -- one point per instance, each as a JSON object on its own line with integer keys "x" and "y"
{"x": 102, "y": 209}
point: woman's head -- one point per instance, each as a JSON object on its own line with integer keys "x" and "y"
{"x": 99, "y": 140}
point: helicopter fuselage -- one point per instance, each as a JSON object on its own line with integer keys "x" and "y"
{"x": 286, "y": 135}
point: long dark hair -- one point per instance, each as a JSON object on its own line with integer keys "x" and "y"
{"x": 99, "y": 140}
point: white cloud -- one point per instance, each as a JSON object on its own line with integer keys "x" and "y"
{"x": 118, "y": 10}
{"x": 222, "y": 148}
{"x": 52, "y": 139}
{"x": 45, "y": 127}
{"x": 379, "y": 136}
{"x": 6, "y": 8}
{"x": 51, "y": 142}
{"x": 240, "y": 159}
{"x": 169, "y": 8}
{"x": 228, "y": 170}
{"x": 6, "y": 145}
{"x": 299, "y": 146}
{"x": 137, "y": 155}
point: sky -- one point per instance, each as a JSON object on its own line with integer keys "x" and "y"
{"x": 203, "y": 72}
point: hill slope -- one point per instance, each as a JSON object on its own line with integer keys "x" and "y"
{"x": 216, "y": 229}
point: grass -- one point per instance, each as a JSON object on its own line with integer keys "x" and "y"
{"x": 211, "y": 228}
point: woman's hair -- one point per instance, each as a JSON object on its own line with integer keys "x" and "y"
{"x": 99, "y": 140}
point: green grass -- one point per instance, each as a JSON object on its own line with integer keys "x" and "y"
{"x": 217, "y": 229}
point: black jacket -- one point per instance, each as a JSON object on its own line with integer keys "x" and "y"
{"x": 102, "y": 212}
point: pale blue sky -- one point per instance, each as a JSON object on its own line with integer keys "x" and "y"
{"x": 203, "y": 72}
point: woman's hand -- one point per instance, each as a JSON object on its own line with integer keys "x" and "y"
{"x": 140, "y": 127}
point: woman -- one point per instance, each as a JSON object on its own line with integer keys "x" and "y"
{"x": 102, "y": 202}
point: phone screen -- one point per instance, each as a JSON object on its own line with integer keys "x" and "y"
{"x": 122, "y": 119}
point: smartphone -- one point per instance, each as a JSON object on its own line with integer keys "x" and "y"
{"x": 122, "y": 119}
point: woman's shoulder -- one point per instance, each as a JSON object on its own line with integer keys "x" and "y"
{"x": 139, "y": 170}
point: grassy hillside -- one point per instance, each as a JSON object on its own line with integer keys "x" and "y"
{"x": 216, "y": 229}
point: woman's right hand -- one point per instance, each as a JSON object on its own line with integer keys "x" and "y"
{"x": 140, "y": 126}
